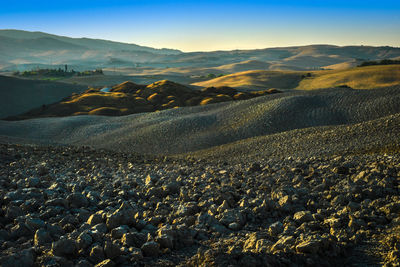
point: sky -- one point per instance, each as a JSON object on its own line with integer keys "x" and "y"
{"x": 205, "y": 25}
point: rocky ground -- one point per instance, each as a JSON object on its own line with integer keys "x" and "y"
{"x": 66, "y": 206}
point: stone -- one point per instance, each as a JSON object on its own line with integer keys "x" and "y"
{"x": 96, "y": 254}
{"x": 302, "y": 216}
{"x": 84, "y": 240}
{"x": 83, "y": 263}
{"x": 33, "y": 182}
{"x": 118, "y": 232}
{"x": 235, "y": 226}
{"x": 123, "y": 216}
{"x": 35, "y": 223}
{"x": 77, "y": 200}
{"x": 13, "y": 212}
{"x": 283, "y": 242}
{"x": 42, "y": 237}
{"x": 57, "y": 202}
{"x": 95, "y": 219}
{"x": 24, "y": 258}
{"x": 20, "y": 230}
{"x": 111, "y": 250}
{"x": 311, "y": 246}
{"x": 165, "y": 241}
{"x": 101, "y": 227}
{"x": 42, "y": 170}
{"x": 150, "y": 180}
{"x": 341, "y": 170}
{"x": 151, "y": 249}
{"x": 275, "y": 229}
{"x": 64, "y": 247}
{"x": 133, "y": 239}
{"x": 106, "y": 263}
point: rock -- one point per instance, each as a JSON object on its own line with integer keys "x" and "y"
{"x": 35, "y": 223}
{"x": 101, "y": 227}
{"x": 60, "y": 202}
{"x": 77, "y": 200}
{"x": 96, "y": 254}
{"x": 302, "y": 216}
{"x": 275, "y": 229}
{"x": 13, "y": 212}
{"x": 136, "y": 254}
{"x": 308, "y": 247}
{"x": 118, "y": 232}
{"x": 106, "y": 263}
{"x": 83, "y": 263}
{"x": 235, "y": 226}
{"x": 232, "y": 216}
{"x": 341, "y": 170}
{"x": 283, "y": 242}
{"x": 151, "y": 249}
{"x": 25, "y": 258}
{"x": 123, "y": 216}
{"x": 133, "y": 239}
{"x": 111, "y": 250}
{"x": 150, "y": 180}
{"x": 33, "y": 182}
{"x": 20, "y": 230}
{"x": 84, "y": 240}
{"x": 95, "y": 219}
{"x": 255, "y": 167}
{"x": 171, "y": 188}
{"x": 64, "y": 247}
{"x": 42, "y": 237}
{"x": 165, "y": 241}
{"x": 42, "y": 170}
{"x": 4, "y": 235}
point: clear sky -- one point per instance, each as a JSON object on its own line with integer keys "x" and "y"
{"x": 205, "y": 25}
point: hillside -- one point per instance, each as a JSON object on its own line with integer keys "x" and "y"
{"x": 129, "y": 98}
{"x": 257, "y": 79}
{"x": 358, "y": 78}
{"x": 191, "y": 129}
{"x": 20, "y": 95}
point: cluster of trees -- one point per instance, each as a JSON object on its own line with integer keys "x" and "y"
{"x": 381, "y": 62}
{"x": 211, "y": 76}
{"x": 58, "y": 72}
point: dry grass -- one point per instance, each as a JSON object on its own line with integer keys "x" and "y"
{"x": 256, "y": 79}
{"x": 358, "y": 78}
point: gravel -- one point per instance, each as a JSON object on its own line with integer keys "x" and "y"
{"x": 95, "y": 207}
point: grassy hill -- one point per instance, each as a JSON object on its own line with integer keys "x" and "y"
{"x": 256, "y": 80}
{"x": 358, "y": 78}
{"x": 20, "y": 95}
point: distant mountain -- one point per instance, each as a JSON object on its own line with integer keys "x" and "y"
{"x": 86, "y": 43}
{"x": 21, "y": 50}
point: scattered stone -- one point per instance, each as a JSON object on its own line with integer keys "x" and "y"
{"x": 64, "y": 247}
{"x": 151, "y": 249}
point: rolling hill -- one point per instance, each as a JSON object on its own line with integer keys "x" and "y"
{"x": 357, "y": 78}
{"x": 257, "y": 79}
{"x": 191, "y": 129}
{"x": 20, "y": 95}
{"x": 21, "y": 50}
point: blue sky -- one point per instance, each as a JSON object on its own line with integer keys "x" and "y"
{"x": 212, "y": 25}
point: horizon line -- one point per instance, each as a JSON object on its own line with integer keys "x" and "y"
{"x": 207, "y": 51}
